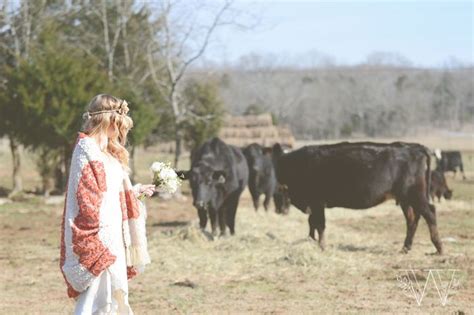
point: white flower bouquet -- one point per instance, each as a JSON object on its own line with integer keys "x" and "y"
{"x": 164, "y": 177}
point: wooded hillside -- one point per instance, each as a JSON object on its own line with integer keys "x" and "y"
{"x": 366, "y": 100}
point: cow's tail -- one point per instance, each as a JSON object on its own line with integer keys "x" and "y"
{"x": 428, "y": 172}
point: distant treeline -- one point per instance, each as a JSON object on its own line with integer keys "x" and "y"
{"x": 365, "y": 100}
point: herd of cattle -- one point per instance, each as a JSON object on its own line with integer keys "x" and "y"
{"x": 349, "y": 175}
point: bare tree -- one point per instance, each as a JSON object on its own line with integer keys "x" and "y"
{"x": 267, "y": 81}
{"x": 111, "y": 35}
{"x": 180, "y": 40}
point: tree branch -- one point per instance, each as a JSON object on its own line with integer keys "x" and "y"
{"x": 202, "y": 49}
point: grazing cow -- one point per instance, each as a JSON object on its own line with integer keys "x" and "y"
{"x": 449, "y": 161}
{"x": 262, "y": 179}
{"x": 439, "y": 187}
{"x": 218, "y": 175}
{"x": 281, "y": 198}
{"x": 359, "y": 176}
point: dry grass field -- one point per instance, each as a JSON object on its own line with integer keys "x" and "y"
{"x": 270, "y": 266}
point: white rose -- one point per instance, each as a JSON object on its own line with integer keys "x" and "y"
{"x": 168, "y": 173}
{"x": 172, "y": 186}
{"x": 156, "y": 167}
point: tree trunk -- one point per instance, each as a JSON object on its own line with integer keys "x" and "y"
{"x": 16, "y": 161}
{"x": 59, "y": 177}
{"x": 177, "y": 149}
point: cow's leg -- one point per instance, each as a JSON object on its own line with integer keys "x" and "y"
{"x": 428, "y": 212}
{"x": 412, "y": 219}
{"x": 222, "y": 218}
{"x": 317, "y": 220}
{"x": 232, "y": 206}
{"x": 286, "y": 204}
{"x": 461, "y": 167}
{"x": 266, "y": 202}
{"x": 277, "y": 202}
{"x": 256, "y": 201}
{"x": 202, "y": 218}
{"x": 213, "y": 217}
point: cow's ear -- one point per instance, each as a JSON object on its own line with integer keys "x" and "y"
{"x": 184, "y": 175}
{"x": 219, "y": 176}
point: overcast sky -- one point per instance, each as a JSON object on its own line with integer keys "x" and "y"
{"x": 425, "y": 32}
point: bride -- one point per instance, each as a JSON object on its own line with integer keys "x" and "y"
{"x": 103, "y": 240}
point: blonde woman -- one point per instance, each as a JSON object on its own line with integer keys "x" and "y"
{"x": 103, "y": 239}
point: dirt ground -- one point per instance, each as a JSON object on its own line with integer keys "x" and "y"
{"x": 270, "y": 266}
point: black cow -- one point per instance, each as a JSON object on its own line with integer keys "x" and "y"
{"x": 218, "y": 175}
{"x": 359, "y": 176}
{"x": 262, "y": 179}
{"x": 439, "y": 187}
{"x": 449, "y": 161}
{"x": 281, "y": 198}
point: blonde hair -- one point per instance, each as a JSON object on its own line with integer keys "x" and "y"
{"x": 104, "y": 111}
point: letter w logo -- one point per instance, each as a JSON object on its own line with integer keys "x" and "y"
{"x": 408, "y": 282}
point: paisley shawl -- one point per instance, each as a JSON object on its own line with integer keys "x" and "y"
{"x": 85, "y": 252}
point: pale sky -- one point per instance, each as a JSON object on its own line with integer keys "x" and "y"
{"x": 425, "y": 32}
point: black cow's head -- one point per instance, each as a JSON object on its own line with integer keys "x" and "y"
{"x": 277, "y": 153}
{"x": 207, "y": 185}
{"x": 254, "y": 156}
{"x": 282, "y": 199}
{"x": 448, "y": 194}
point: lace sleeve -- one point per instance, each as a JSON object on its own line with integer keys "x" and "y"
{"x": 136, "y": 189}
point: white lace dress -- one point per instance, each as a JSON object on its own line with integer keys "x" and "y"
{"x": 108, "y": 293}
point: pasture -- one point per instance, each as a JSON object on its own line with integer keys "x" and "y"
{"x": 270, "y": 266}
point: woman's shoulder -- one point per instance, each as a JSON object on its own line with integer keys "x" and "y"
{"x": 87, "y": 146}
